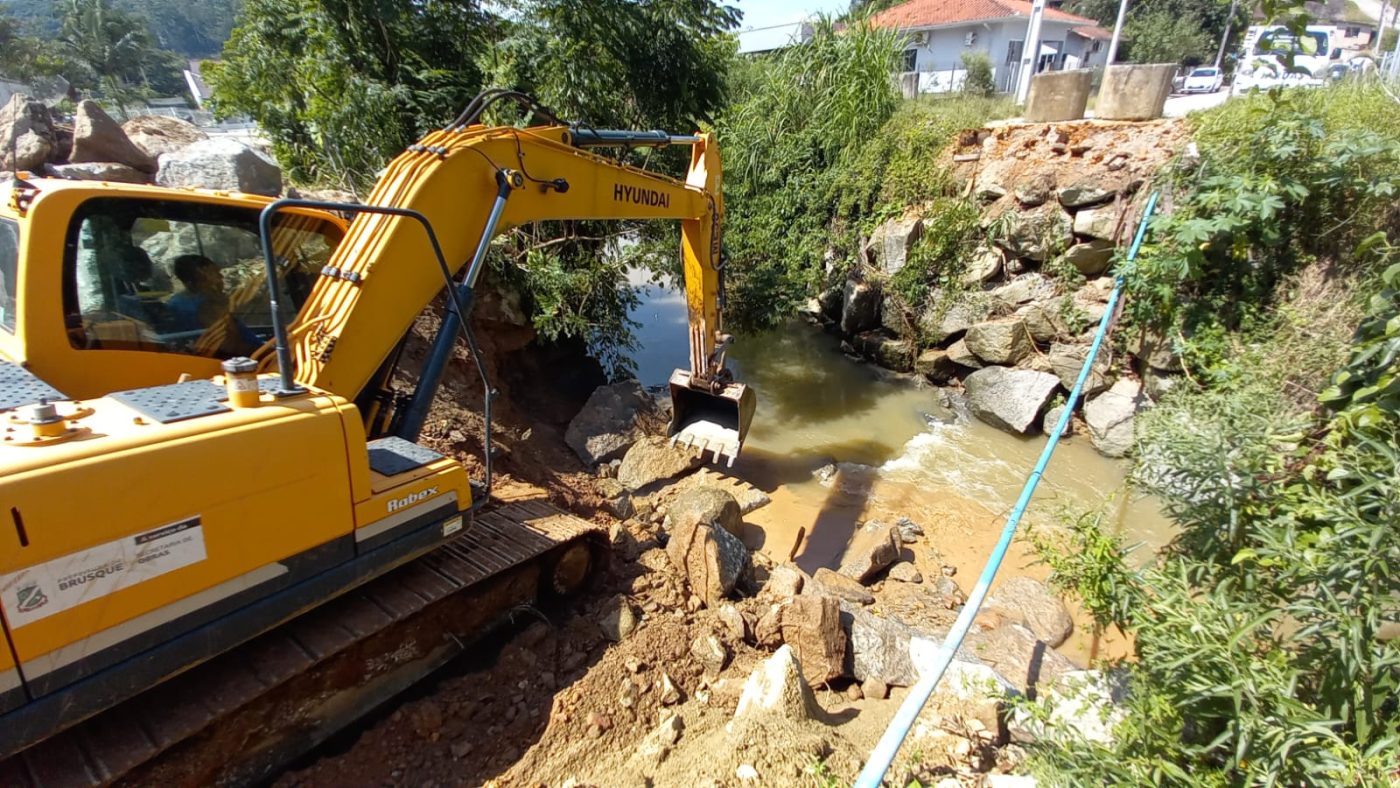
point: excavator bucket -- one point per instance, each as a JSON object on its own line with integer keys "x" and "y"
{"x": 716, "y": 422}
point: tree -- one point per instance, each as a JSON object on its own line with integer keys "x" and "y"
{"x": 979, "y": 81}
{"x": 1163, "y": 31}
{"x": 619, "y": 63}
{"x": 113, "y": 46}
{"x": 341, "y": 86}
{"x": 25, "y": 57}
{"x": 1159, "y": 36}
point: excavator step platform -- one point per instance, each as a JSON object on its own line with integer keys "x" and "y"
{"x": 241, "y": 716}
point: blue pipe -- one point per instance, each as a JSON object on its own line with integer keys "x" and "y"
{"x": 884, "y": 753}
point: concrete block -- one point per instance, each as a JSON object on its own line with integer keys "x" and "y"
{"x": 1134, "y": 92}
{"x": 1058, "y": 95}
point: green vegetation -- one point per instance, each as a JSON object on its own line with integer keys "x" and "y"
{"x": 1167, "y": 31}
{"x": 979, "y": 81}
{"x": 818, "y": 150}
{"x": 1261, "y": 646}
{"x": 100, "y": 48}
{"x": 190, "y": 29}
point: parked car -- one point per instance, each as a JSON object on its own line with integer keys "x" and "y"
{"x": 1202, "y": 80}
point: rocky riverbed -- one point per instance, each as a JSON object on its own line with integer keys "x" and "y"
{"x": 1058, "y": 203}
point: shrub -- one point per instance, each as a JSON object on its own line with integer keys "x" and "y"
{"x": 818, "y": 150}
{"x": 979, "y": 81}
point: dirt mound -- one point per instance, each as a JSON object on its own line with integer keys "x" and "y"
{"x": 1113, "y": 155}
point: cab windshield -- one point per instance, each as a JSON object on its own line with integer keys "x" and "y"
{"x": 182, "y": 277}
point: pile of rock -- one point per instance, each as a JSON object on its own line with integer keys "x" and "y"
{"x": 1013, "y": 335}
{"x": 146, "y": 149}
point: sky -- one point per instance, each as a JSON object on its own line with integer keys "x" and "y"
{"x": 762, "y": 13}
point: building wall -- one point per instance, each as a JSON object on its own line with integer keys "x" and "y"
{"x": 939, "y": 59}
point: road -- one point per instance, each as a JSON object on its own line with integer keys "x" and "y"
{"x": 1179, "y": 105}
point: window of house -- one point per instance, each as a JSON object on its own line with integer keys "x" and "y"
{"x": 1353, "y": 32}
{"x": 909, "y": 60}
{"x": 180, "y": 277}
{"x": 9, "y": 273}
{"x": 1013, "y": 52}
{"x": 1095, "y": 47}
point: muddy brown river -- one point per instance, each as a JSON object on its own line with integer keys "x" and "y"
{"x": 837, "y": 442}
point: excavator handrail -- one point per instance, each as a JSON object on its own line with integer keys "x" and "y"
{"x": 288, "y": 385}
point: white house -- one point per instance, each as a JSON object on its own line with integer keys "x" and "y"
{"x": 940, "y": 31}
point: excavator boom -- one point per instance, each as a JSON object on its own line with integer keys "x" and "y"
{"x": 473, "y": 184}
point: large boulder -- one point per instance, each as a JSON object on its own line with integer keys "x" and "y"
{"x": 889, "y": 352}
{"x": 812, "y": 626}
{"x": 1000, "y": 341}
{"x": 894, "y": 316}
{"x": 1157, "y": 351}
{"x": 959, "y": 354}
{"x": 988, "y": 191}
{"x": 874, "y": 548}
{"x": 1037, "y": 236}
{"x": 935, "y": 366}
{"x": 1010, "y": 399}
{"x": 711, "y": 559}
{"x": 1045, "y": 320}
{"x": 1083, "y": 705}
{"x": 220, "y": 164}
{"x": 890, "y": 244}
{"x": 1022, "y": 290}
{"x": 609, "y": 421}
{"x": 1110, "y": 417}
{"x": 825, "y": 582}
{"x": 110, "y": 171}
{"x": 983, "y": 266}
{"x": 653, "y": 459}
{"x": 776, "y": 688}
{"x": 860, "y": 307}
{"x": 1098, "y": 223}
{"x": 1067, "y": 360}
{"x": 1034, "y": 191}
{"x": 883, "y": 648}
{"x": 972, "y": 691}
{"x": 1030, "y": 602}
{"x": 1017, "y": 654}
{"x": 1085, "y": 193}
{"x": 26, "y": 135}
{"x": 157, "y": 134}
{"x": 1090, "y": 258}
{"x": 944, "y": 320}
{"x": 704, "y": 506}
{"x": 96, "y": 137}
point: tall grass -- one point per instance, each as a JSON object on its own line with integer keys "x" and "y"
{"x": 818, "y": 149}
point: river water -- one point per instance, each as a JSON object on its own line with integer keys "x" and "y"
{"x": 896, "y": 450}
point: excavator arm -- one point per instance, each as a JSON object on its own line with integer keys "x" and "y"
{"x": 439, "y": 205}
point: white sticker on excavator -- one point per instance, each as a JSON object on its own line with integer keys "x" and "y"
{"x": 40, "y": 591}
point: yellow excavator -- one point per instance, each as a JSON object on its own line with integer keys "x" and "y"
{"x": 201, "y": 439}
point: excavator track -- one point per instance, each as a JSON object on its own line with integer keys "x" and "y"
{"x": 241, "y": 716}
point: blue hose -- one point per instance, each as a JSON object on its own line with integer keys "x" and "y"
{"x": 883, "y": 754}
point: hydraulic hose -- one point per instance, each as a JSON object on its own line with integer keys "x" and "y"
{"x": 884, "y": 753}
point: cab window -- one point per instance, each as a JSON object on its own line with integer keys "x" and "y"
{"x": 9, "y": 273}
{"x": 180, "y": 277}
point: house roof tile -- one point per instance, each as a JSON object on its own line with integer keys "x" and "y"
{"x": 935, "y": 13}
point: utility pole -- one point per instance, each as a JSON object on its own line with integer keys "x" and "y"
{"x": 1030, "y": 53}
{"x": 1225, "y": 37}
{"x": 1380, "y": 30}
{"x": 1394, "y": 64}
{"x": 1117, "y": 32}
